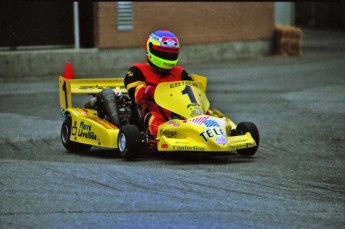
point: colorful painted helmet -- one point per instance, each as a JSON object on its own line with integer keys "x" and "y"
{"x": 162, "y": 49}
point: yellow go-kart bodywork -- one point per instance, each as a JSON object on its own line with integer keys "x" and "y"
{"x": 195, "y": 127}
{"x": 201, "y": 129}
{"x": 87, "y": 127}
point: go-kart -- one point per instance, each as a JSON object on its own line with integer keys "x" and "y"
{"x": 194, "y": 126}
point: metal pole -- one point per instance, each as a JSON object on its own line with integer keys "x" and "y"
{"x": 76, "y": 24}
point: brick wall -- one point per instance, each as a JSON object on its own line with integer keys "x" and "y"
{"x": 192, "y": 22}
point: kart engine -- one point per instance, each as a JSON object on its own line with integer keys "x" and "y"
{"x": 115, "y": 108}
{"x": 124, "y": 109}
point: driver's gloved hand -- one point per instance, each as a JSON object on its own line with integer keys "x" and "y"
{"x": 149, "y": 91}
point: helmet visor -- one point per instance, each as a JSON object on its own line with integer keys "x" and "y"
{"x": 166, "y": 53}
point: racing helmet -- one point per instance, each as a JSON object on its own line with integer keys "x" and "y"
{"x": 162, "y": 48}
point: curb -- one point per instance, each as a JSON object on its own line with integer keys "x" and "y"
{"x": 106, "y": 62}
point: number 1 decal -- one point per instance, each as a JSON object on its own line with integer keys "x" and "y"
{"x": 188, "y": 90}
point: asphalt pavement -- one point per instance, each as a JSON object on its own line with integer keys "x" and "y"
{"x": 296, "y": 179}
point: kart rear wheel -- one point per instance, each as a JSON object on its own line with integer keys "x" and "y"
{"x": 244, "y": 127}
{"x": 71, "y": 146}
{"x": 129, "y": 142}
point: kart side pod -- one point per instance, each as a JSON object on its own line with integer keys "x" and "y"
{"x": 85, "y": 127}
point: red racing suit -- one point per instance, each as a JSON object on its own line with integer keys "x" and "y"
{"x": 141, "y": 75}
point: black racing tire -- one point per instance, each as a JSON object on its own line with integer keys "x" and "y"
{"x": 71, "y": 146}
{"x": 244, "y": 127}
{"x": 129, "y": 142}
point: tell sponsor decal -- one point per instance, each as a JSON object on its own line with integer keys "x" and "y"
{"x": 213, "y": 129}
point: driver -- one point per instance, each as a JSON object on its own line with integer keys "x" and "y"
{"x": 162, "y": 49}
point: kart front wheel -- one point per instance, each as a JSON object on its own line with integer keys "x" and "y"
{"x": 244, "y": 127}
{"x": 71, "y": 146}
{"x": 129, "y": 142}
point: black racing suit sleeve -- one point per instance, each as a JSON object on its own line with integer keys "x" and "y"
{"x": 134, "y": 75}
{"x": 185, "y": 76}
